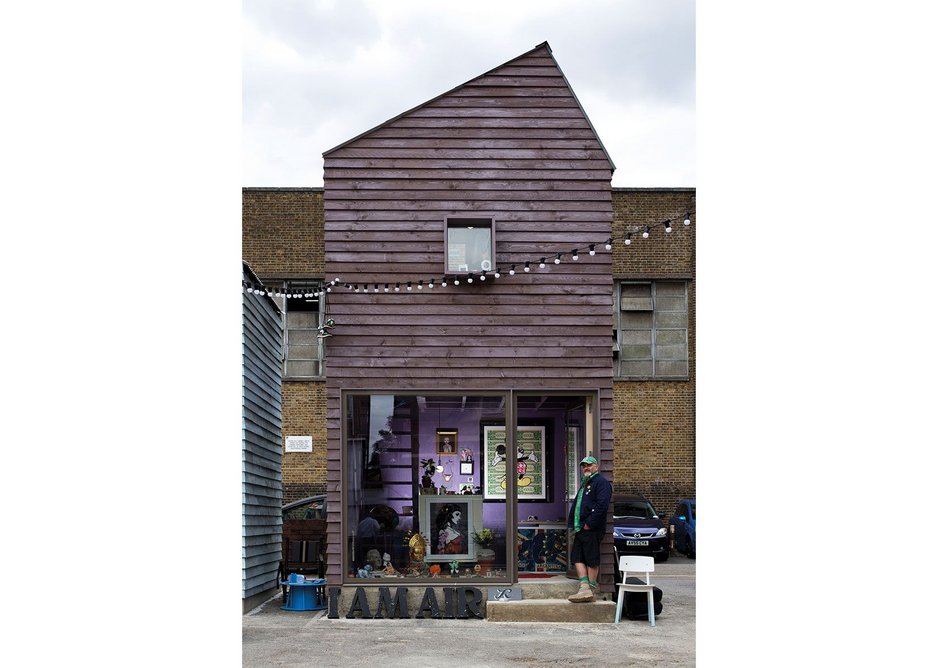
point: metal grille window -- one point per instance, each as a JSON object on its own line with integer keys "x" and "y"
{"x": 303, "y": 316}
{"x": 651, "y": 329}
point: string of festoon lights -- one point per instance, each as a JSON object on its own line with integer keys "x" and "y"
{"x": 522, "y": 267}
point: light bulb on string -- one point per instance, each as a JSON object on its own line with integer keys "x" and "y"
{"x": 443, "y": 282}
{"x": 592, "y": 249}
{"x": 356, "y": 288}
{"x": 687, "y": 218}
{"x": 386, "y": 287}
{"x": 628, "y": 238}
{"x": 575, "y": 255}
{"x": 557, "y": 259}
{"x": 541, "y": 263}
{"x": 397, "y": 287}
{"x": 667, "y": 226}
{"x": 409, "y": 286}
{"x": 469, "y": 278}
{"x": 527, "y": 266}
{"x": 420, "y": 284}
{"x": 645, "y": 232}
{"x": 609, "y": 243}
{"x": 482, "y": 275}
{"x": 497, "y": 273}
{"x": 456, "y": 280}
{"x": 511, "y": 272}
{"x": 430, "y": 285}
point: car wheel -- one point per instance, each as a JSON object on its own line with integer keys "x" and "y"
{"x": 688, "y": 549}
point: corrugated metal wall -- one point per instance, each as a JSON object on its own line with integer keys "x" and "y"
{"x": 514, "y": 145}
{"x": 261, "y": 449}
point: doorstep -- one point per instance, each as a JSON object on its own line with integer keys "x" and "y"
{"x": 551, "y": 610}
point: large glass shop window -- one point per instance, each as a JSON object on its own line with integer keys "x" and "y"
{"x": 415, "y": 488}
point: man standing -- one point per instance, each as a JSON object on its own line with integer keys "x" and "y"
{"x": 588, "y": 520}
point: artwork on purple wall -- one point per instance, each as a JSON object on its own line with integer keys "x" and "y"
{"x": 466, "y": 468}
{"x": 532, "y": 463}
{"x": 447, "y": 441}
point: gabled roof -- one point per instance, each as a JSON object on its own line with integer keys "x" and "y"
{"x": 543, "y": 45}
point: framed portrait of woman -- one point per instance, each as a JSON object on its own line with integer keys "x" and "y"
{"x": 448, "y": 522}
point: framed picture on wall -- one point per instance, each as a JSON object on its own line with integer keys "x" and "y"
{"x": 448, "y": 522}
{"x": 532, "y": 468}
{"x": 466, "y": 468}
{"x": 447, "y": 441}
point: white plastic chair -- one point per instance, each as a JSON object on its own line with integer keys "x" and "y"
{"x": 636, "y": 565}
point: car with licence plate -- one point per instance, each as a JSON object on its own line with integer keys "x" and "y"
{"x": 638, "y": 529}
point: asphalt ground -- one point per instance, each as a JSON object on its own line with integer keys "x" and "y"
{"x": 275, "y": 637}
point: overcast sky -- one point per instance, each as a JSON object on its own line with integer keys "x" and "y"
{"x": 319, "y": 72}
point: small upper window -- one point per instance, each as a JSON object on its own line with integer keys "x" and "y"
{"x": 470, "y": 245}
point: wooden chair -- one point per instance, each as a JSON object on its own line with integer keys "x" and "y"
{"x": 636, "y": 565}
{"x": 303, "y": 549}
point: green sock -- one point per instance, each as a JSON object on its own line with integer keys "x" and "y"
{"x": 593, "y": 584}
{"x": 584, "y": 579}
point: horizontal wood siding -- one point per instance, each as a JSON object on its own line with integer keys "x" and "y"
{"x": 512, "y": 145}
{"x": 261, "y": 453}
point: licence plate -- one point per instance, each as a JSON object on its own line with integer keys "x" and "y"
{"x": 636, "y": 542}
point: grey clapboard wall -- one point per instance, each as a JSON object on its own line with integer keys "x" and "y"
{"x": 515, "y": 145}
{"x": 261, "y": 444}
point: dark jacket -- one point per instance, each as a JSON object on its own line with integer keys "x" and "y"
{"x": 595, "y": 504}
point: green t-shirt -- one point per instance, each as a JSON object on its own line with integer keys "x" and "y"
{"x": 579, "y": 499}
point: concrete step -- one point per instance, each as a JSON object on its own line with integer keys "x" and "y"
{"x": 551, "y": 610}
{"x": 552, "y": 588}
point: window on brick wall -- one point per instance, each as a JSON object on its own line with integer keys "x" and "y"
{"x": 651, "y": 329}
{"x": 303, "y": 316}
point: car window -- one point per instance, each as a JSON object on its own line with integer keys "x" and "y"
{"x": 314, "y": 510}
{"x": 633, "y": 509}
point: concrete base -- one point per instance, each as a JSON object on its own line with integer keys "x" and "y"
{"x": 551, "y": 610}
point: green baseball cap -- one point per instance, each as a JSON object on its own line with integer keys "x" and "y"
{"x": 588, "y": 460}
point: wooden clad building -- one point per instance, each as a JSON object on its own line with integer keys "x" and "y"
{"x": 460, "y": 364}
{"x": 261, "y": 458}
{"x": 512, "y": 151}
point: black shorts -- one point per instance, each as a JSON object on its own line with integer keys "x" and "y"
{"x": 586, "y": 547}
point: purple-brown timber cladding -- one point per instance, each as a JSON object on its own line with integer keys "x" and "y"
{"x": 512, "y": 145}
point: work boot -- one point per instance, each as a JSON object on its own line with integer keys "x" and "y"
{"x": 584, "y": 595}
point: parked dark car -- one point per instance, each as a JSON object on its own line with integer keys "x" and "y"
{"x": 684, "y": 527}
{"x": 638, "y": 529}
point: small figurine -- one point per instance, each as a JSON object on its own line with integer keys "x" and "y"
{"x": 478, "y": 569}
{"x": 435, "y": 571}
{"x": 454, "y": 567}
{"x": 365, "y": 572}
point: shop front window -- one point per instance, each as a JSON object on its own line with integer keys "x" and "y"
{"x": 415, "y": 489}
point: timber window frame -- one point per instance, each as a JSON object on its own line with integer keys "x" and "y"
{"x": 651, "y": 330}
{"x": 468, "y": 245}
{"x": 304, "y": 355}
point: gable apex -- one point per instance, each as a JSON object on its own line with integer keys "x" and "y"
{"x": 542, "y": 50}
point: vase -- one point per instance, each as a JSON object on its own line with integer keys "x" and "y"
{"x": 485, "y": 557}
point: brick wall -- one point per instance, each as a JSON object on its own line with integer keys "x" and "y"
{"x": 282, "y": 231}
{"x": 304, "y": 414}
{"x": 654, "y": 422}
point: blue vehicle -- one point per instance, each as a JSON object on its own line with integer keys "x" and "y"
{"x": 684, "y": 527}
